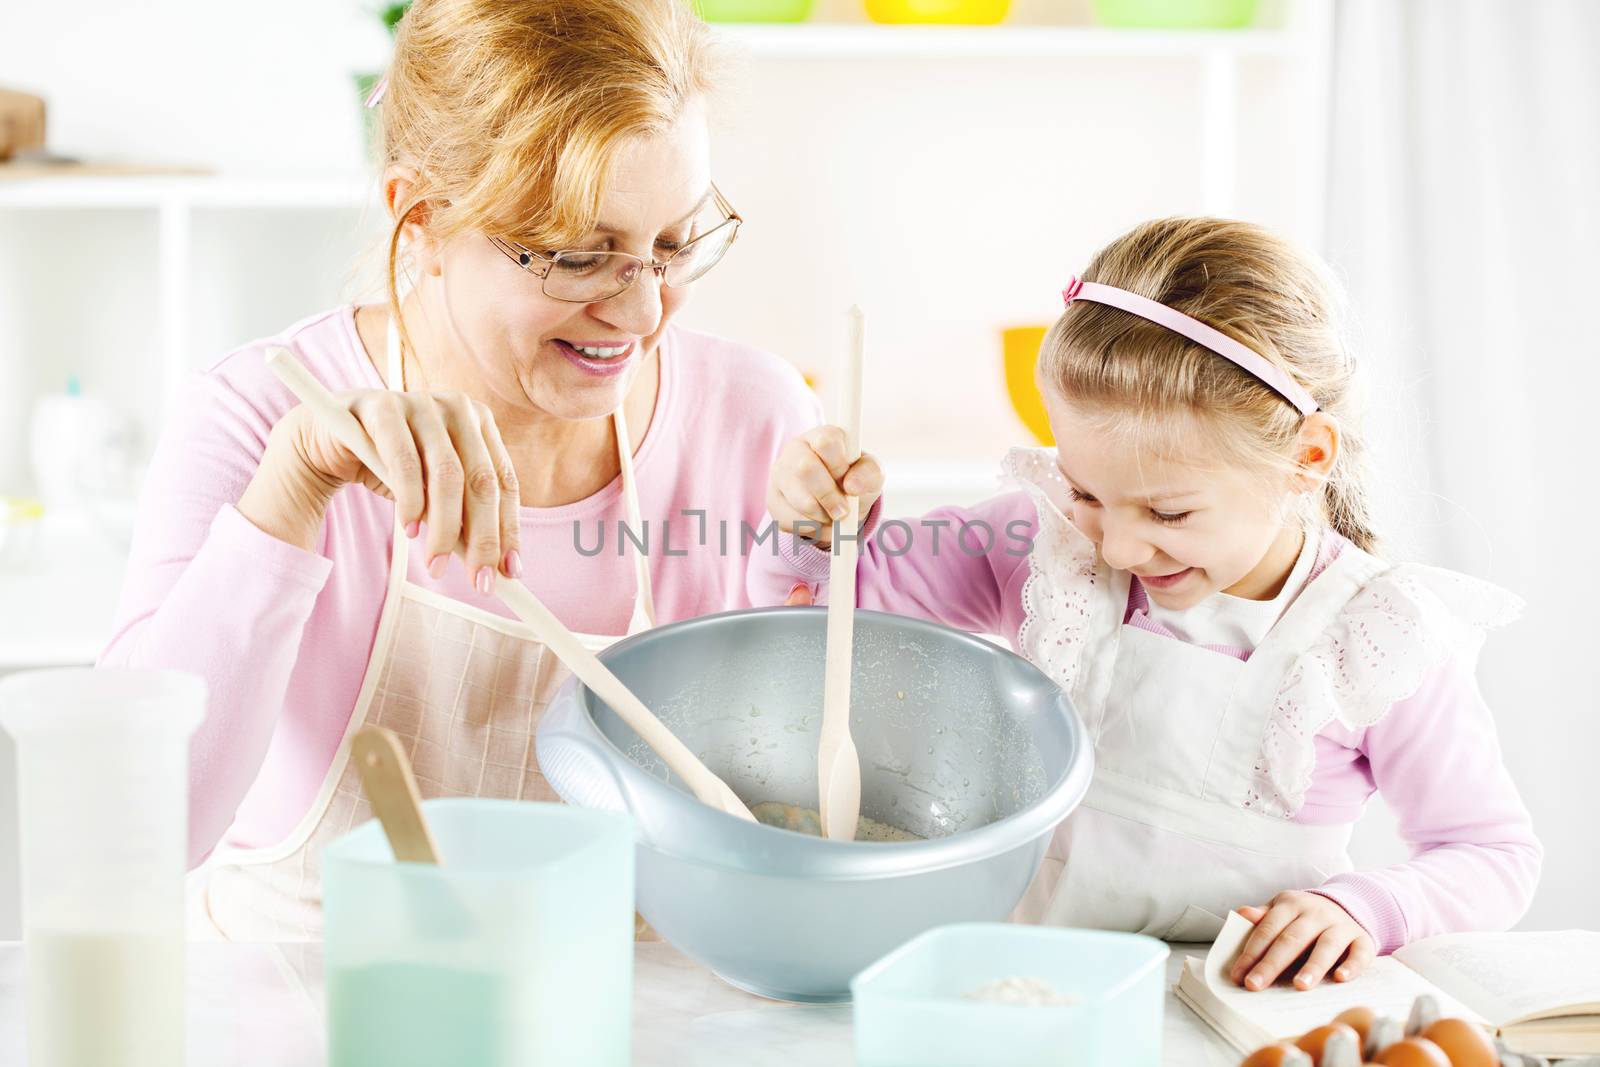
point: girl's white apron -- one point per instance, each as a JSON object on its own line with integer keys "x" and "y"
{"x": 1201, "y": 759}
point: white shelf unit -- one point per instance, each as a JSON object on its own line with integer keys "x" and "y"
{"x": 155, "y": 192}
{"x": 174, "y": 202}
{"x": 1216, "y": 53}
{"x": 182, "y": 216}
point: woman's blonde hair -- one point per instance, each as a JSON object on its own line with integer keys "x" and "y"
{"x": 1256, "y": 288}
{"x": 512, "y": 111}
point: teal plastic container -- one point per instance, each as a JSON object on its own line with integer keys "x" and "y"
{"x": 754, "y": 10}
{"x": 911, "y": 1008}
{"x": 1177, "y": 14}
{"x": 516, "y": 951}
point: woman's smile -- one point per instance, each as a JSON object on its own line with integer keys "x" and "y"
{"x": 602, "y": 359}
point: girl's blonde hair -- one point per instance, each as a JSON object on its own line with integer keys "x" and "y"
{"x": 512, "y": 111}
{"x": 1256, "y": 288}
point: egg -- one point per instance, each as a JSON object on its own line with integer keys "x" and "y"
{"x": 1314, "y": 1041}
{"x": 1414, "y": 1052}
{"x": 1465, "y": 1044}
{"x": 1282, "y": 1055}
{"x": 1358, "y": 1019}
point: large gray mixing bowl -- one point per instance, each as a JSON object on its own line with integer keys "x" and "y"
{"x": 961, "y": 742}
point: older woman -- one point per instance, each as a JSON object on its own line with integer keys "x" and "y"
{"x": 548, "y": 175}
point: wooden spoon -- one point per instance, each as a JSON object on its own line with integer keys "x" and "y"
{"x": 838, "y": 765}
{"x": 392, "y": 791}
{"x": 707, "y": 787}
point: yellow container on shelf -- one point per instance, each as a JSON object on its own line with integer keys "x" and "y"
{"x": 1020, "y": 349}
{"x": 961, "y": 12}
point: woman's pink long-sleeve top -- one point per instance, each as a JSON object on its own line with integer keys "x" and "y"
{"x": 282, "y": 636}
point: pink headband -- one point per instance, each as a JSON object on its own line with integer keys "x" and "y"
{"x": 375, "y": 97}
{"x": 1252, "y": 363}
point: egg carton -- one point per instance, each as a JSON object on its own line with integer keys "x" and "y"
{"x": 1341, "y": 1045}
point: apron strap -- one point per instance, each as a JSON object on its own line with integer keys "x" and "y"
{"x": 1097, "y": 667}
{"x": 644, "y": 601}
{"x": 1313, "y": 611}
{"x": 400, "y": 548}
{"x": 1255, "y": 699}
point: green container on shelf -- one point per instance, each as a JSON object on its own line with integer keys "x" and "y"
{"x": 754, "y": 10}
{"x": 365, "y": 83}
{"x": 1177, "y": 14}
{"x": 960, "y": 12}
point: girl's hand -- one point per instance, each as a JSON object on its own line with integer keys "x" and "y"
{"x": 1297, "y": 921}
{"x": 444, "y": 456}
{"x": 811, "y": 478}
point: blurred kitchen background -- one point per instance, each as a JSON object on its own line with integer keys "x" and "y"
{"x": 1443, "y": 154}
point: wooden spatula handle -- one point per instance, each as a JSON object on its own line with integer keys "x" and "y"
{"x": 392, "y": 791}
{"x": 838, "y": 764}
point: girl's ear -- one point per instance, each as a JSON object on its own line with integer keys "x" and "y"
{"x": 1316, "y": 449}
{"x": 399, "y": 183}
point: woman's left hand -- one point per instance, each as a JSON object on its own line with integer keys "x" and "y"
{"x": 1297, "y": 921}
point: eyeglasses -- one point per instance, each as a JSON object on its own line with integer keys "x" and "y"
{"x": 579, "y": 276}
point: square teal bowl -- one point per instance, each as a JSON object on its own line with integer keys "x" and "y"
{"x": 911, "y": 1009}
{"x": 517, "y": 949}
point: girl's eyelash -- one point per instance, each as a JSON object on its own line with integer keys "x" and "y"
{"x": 1165, "y": 518}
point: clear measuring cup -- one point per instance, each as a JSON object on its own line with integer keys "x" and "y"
{"x": 103, "y": 773}
{"x": 516, "y": 950}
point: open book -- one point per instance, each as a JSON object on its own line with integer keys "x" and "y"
{"x": 1538, "y": 991}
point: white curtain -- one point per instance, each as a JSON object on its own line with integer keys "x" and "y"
{"x": 1465, "y": 170}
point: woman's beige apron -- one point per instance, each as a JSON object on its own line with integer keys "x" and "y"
{"x": 463, "y": 688}
{"x": 1171, "y": 835}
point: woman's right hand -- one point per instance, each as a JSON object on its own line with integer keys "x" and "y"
{"x": 811, "y": 478}
{"x": 448, "y": 467}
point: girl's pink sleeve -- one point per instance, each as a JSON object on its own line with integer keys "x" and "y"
{"x": 957, "y": 566}
{"x": 1475, "y": 860}
{"x": 208, "y": 592}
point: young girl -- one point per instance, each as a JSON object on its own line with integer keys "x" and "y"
{"x": 1197, "y": 570}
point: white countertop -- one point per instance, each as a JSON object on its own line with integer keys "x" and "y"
{"x": 262, "y": 1005}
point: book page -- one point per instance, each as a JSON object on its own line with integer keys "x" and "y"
{"x": 1388, "y": 987}
{"x": 1190, "y": 991}
{"x": 1511, "y": 977}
